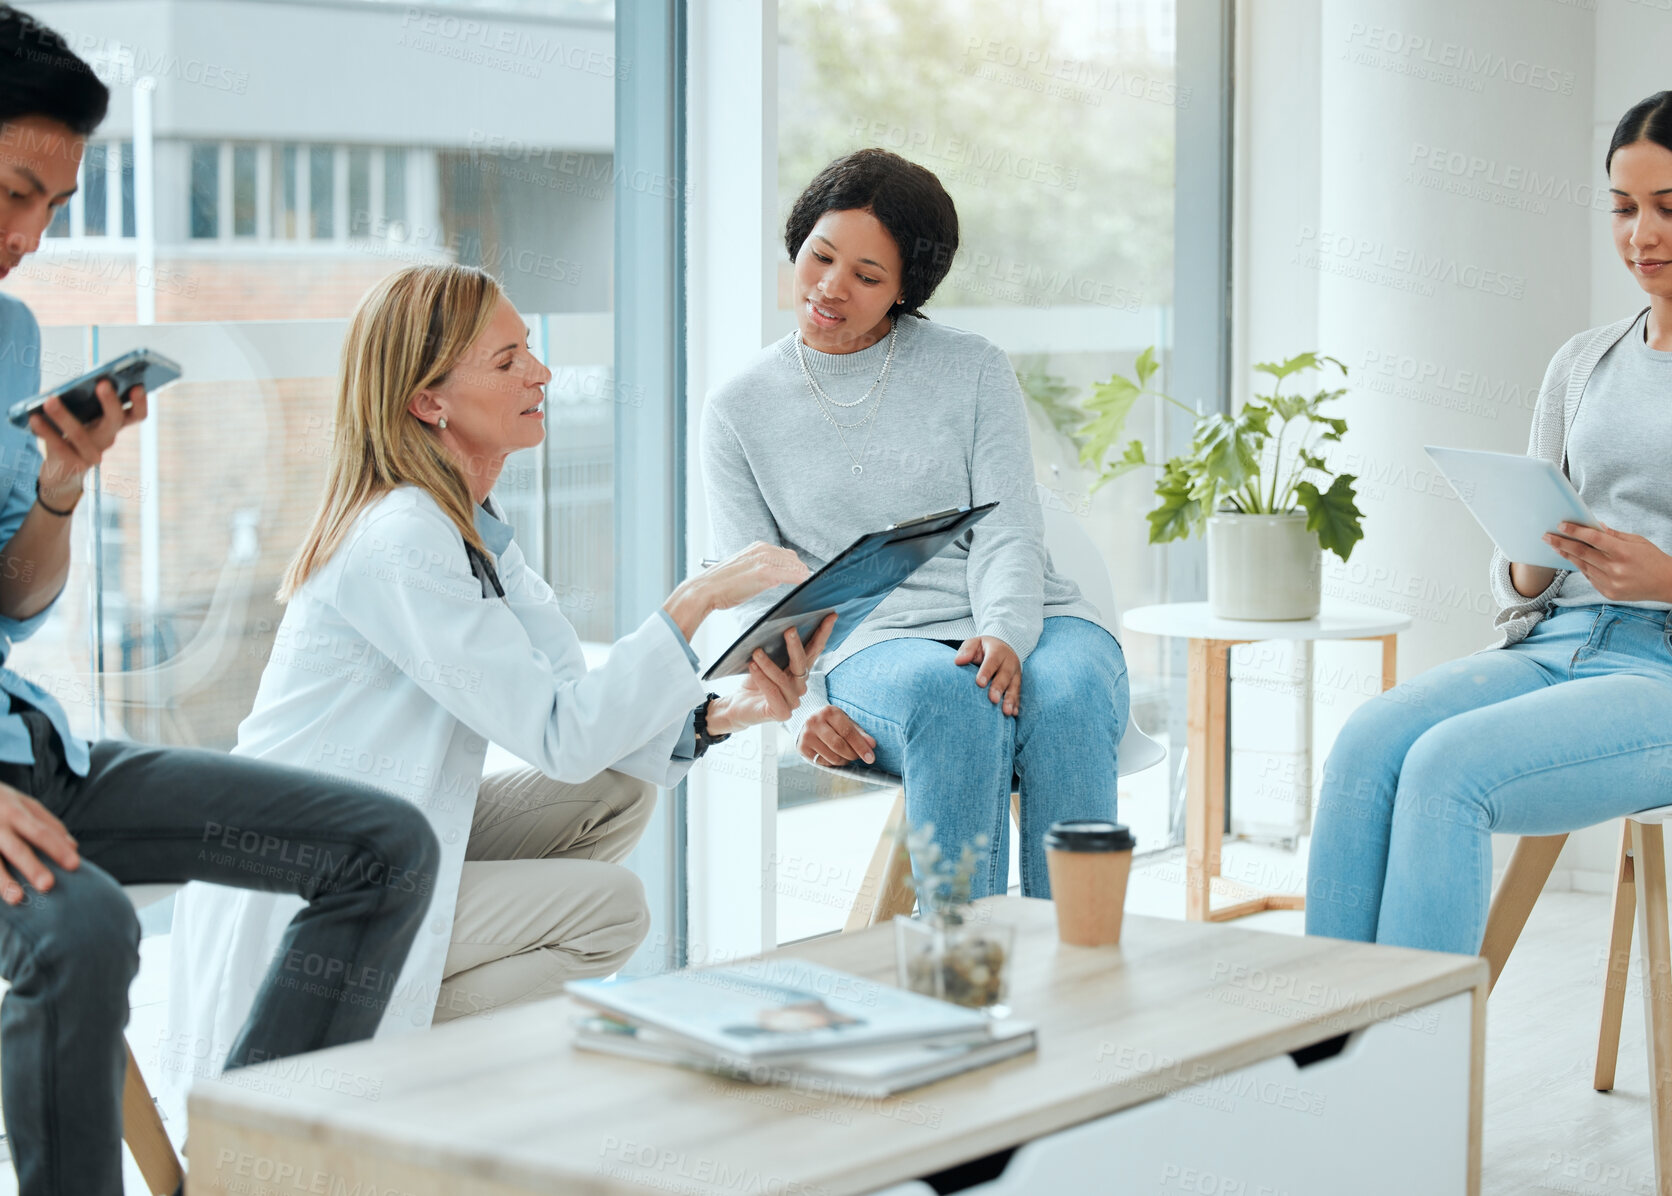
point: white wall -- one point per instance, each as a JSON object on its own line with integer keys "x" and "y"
{"x": 1441, "y": 284}
{"x": 1420, "y": 195}
{"x": 1631, "y": 44}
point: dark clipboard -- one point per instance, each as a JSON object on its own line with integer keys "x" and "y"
{"x": 852, "y": 584}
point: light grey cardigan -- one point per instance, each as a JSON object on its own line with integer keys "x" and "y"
{"x": 1558, "y": 402}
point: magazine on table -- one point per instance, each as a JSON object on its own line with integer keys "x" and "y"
{"x": 778, "y": 1008}
{"x": 876, "y": 1071}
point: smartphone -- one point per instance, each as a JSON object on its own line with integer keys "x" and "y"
{"x": 142, "y": 367}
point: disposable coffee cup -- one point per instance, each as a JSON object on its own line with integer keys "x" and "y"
{"x": 1089, "y": 861}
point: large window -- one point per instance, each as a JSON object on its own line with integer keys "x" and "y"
{"x": 259, "y": 242}
{"x": 1052, "y": 126}
{"x": 322, "y": 192}
{"x": 265, "y": 197}
{"x": 234, "y": 229}
{"x": 103, "y": 205}
{"x": 205, "y": 192}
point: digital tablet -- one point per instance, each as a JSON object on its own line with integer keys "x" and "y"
{"x": 855, "y": 581}
{"x": 1516, "y": 499}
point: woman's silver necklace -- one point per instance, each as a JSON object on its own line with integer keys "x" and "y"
{"x": 820, "y": 399}
{"x": 819, "y": 390}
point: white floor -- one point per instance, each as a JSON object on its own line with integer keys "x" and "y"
{"x": 1546, "y": 1130}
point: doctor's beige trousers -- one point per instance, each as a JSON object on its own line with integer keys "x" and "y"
{"x": 543, "y": 899}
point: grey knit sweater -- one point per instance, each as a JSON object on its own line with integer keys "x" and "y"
{"x": 1558, "y": 402}
{"x": 951, "y": 431}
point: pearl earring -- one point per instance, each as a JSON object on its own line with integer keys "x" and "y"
{"x": 443, "y": 424}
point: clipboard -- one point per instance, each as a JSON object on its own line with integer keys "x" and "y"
{"x": 852, "y": 584}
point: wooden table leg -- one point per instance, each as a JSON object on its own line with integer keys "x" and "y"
{"x": 1204, "y": 812}
{"x": 1204, "y": 824}
{"x": 1257, "y": 904}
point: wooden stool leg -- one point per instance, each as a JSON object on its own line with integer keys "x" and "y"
{"x": 1529, "y": 868}
{"x": 887, "y": 889}
{"x": 1619, "y": 966}
{"x": 142, "y": 1126}
{"x": 1648, "y": 850}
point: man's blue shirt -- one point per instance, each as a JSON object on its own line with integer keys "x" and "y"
{"x": 20, "y": 465}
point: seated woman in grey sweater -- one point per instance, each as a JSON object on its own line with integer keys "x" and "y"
{"x": 987, "y": 667}
{"x": 1569, "y": 721}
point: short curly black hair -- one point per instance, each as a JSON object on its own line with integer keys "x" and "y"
{"x": 907, "y": 199}
{"x": 41, "y": 76}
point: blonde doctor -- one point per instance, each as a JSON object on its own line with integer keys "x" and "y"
{"x": 414, "y": 633}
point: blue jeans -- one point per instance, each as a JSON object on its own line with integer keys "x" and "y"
{"x": 957, "y": 752}
{"x": 1571, "y": 726}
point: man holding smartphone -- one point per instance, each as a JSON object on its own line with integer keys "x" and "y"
{"x": 79, "y": 820}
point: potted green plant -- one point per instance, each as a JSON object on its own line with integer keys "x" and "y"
{"x": 948, "y": 951}
{"x": 1255, "y": 483}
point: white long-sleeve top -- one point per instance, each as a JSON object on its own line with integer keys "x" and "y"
{"x": 395, "y": 665}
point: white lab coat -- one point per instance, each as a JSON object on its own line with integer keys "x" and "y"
{"x": 390, "y": 667}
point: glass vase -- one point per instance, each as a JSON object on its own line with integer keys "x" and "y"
{"x": 956, "y": 956}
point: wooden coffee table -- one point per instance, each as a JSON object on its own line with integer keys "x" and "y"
{"x": 1192, "y": 1053}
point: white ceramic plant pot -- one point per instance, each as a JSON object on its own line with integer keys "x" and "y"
{"x": 1263, "y": 567}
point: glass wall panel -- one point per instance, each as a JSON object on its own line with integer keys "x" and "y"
{"x": 243, "y": 191}
{"x": 360, "y": 215}
{"x": 95, "y": 189}
{"x": 287, "y": 196}
{"x": 394, "y": 185}
{"x": 322, "y": 200}
{"x": 430, "y": 156}
{"x": 206, "y": 191}
{"x": 127, "y": 188}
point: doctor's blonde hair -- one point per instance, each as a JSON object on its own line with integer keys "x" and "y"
{"x": 407, "y": 334}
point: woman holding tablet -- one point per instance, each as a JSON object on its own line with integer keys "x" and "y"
{"x": 1569, "y": 721}
{"x": 986, "y": 665}
{"x": 415, "y": 633}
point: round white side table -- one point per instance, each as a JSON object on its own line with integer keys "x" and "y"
{"x": 1209, "y": 692}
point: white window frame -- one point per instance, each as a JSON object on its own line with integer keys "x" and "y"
{"x": 732, "y": 161}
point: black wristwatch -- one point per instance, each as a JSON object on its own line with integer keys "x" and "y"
{"x": 700, "y": 725}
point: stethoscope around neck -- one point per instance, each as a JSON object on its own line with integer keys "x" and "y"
{"x": 481, "y": 567}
